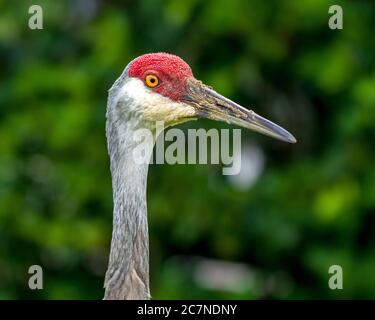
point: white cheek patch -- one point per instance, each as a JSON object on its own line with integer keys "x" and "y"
{"x": 152, "y": 106}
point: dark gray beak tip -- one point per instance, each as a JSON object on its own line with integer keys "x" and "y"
{"x": 291, "y": 139}
{"x": 269, "y": 128}
{"x": 286, "y": 137}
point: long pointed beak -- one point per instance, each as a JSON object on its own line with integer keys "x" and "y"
{"x": 210, "y": 104}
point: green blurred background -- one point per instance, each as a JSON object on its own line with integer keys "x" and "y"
{"x": 271, "y": 232}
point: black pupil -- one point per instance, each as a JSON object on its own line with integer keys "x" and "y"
{"x": 152, "y": 80}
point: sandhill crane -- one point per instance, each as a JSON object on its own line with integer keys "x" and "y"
{"x": 153, "y": 87}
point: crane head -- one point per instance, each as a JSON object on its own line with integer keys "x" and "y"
{"x": 161, "y": 87}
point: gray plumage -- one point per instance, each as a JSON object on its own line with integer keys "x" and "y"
{"x": 127, "y": 274}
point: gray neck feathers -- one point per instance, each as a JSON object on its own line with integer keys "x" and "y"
{"x": 127, "y": 276}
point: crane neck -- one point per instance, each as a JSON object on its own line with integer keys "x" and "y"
{"x": 127, "y": 276}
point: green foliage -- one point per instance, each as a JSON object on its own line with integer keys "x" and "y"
{"x": 312, "y": 207}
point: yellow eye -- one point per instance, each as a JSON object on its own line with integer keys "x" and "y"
{"x": 152, "y": 80}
